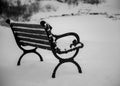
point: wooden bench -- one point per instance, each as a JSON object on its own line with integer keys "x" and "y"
{"x": 40, "y": 36}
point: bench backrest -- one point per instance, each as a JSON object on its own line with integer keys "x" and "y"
{"x": 30, "y": 35}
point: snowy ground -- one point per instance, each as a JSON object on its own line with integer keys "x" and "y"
{"x": 99, "y": 59}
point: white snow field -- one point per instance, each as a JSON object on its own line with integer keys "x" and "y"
{"x": 99, "y": 59}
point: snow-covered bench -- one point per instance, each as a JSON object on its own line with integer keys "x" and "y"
{"x": 40, "y": 36}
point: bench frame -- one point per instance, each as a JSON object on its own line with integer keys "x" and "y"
{"x": 52, "y": 40}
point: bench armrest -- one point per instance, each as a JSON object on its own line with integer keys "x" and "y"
{"x": 67, "y": 34}
{"x": 69, "y": 50}
{"x": 76, "y": 44}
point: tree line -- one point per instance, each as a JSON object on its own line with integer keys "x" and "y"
{"x": 8, "y": 9}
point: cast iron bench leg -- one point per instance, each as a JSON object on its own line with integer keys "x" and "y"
{"x": 78, "y": 66}
{"x": 64, "y": 61}
{"x": 41, "y": 59}
{"x": 29, "y": 51}
{"x": 18, "y": 64}
{"x": 54, "y": 72}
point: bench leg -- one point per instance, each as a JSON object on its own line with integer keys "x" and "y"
{"x": 29, "y": 51}
{"x": 54, "y": 72}
{"x": 64, "y": 61}
{"x": 41, "y": 59}
{"x": 78, "y": 66}
{"x": 18, "y": 64}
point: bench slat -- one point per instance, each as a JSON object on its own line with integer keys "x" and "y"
{"x": 29, "y": 31}
{"x": 28, "y": 28}
{"x": 33, "y": 36}
{"x": 35, "y": 45}
{"x": 35, "y": 41}
{"x": 28, "y": 25}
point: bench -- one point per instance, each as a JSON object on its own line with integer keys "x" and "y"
{"x": 40, "y": 36}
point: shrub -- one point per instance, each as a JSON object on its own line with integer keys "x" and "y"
{"x": 92, "y": 1}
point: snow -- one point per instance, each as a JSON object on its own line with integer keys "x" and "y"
{"x": 99, "y": 59}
